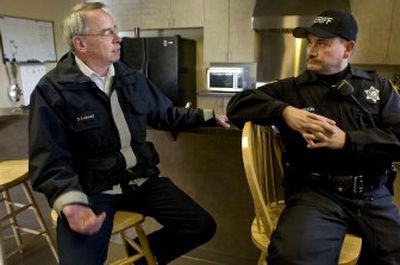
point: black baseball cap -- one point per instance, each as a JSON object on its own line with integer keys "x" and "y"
{"x": 330, "y": 24}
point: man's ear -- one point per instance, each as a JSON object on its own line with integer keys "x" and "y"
{"x": 79, "y": 43}
{"x": 349, "y": 48}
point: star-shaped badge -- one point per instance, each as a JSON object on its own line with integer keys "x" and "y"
{"x": 372, "y": 94}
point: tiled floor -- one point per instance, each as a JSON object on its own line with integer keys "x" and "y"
{"x": 39, "y": 253}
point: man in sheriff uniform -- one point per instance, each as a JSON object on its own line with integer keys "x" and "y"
{"x": 341, "y": 129}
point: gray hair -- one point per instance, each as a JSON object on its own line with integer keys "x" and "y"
{"x": 76, "y": 23}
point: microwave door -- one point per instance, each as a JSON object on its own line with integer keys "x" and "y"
{"x": 225, "y": 79}
{"x": 221, "y": 81}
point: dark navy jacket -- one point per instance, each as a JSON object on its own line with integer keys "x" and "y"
{"x": 73, "y": 141}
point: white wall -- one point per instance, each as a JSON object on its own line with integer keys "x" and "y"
{"x": 53, "y": 10}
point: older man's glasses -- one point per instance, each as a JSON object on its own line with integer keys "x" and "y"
{"x": 107, "y": 33}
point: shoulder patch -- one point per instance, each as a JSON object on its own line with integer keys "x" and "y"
{"x": 271, "y": 82}
{"x": 261, "y": 84}
{"x": 395, "y": 87}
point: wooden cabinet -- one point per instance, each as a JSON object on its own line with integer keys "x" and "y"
{"x": 207, "y": 164}
{"x": 241, "y": 36}
{"x": 228, "y": 36}
{"x": 187, "y": 13}
{"x": 216, "y": 26}
{"x": 378, "y": 35}
{"x": 394, "y": 49}
{"x": 157, "y": 14}
{"x": 126, "y": 13}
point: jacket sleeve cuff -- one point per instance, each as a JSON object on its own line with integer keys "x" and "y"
{"x": 347, "y": 143}
{"x": 208, "y": 114}
{"x": 71, "y": 197}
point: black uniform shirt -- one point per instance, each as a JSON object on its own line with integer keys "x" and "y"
{"x": 368, "y": 150}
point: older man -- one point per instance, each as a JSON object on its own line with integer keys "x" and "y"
{"x": 88, "y": 151}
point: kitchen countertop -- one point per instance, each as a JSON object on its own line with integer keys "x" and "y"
{"x": 214, "y": 131}
{"x": 216, "y": 94}
{"x": 11, "y": 113}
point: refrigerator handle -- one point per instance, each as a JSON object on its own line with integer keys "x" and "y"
{"x": 145, "y": 65}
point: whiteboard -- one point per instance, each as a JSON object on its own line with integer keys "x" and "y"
{"x": 27, "y": 39}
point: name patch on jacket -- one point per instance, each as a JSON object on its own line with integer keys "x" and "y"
{"x": 86, "y": 120}
{"x": 85, "y": 117}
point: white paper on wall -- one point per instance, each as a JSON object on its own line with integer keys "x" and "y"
{"x": 30, "y": 75}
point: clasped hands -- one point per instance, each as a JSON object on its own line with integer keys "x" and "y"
{"x": 318, "y": 131}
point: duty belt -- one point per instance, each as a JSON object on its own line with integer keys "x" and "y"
{"x": 349, "y": 185}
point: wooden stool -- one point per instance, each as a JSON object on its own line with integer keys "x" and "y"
{"x": 12, "y": 174}
{"x": 122, "y": 222}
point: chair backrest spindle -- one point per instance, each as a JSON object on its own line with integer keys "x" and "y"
{"x": 260, "y": 162}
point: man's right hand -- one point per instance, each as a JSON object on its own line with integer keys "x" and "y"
{"x": 82, "y": 219}
{"x": 313, "y": 127}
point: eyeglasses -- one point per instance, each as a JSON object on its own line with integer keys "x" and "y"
{"x": 107, "y": 33}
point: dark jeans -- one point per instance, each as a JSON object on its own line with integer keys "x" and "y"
{"x": 185, "y": 224}
{"x": 312, "y": 226}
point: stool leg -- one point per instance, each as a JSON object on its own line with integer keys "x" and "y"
{"x": 40, "y": 219}
{"x": 3, "y": 256}
{"x": 124, "y": 242}
{"x": 13, "y": 220}
{"x": 144, "y": 243}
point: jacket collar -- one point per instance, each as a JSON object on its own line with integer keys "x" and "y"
{"x": 68, "y": 71}
{"x": 308, "y": 77}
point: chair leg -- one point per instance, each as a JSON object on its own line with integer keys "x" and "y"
{"x": 263, "y": 258}
{"x": 145, "y": 245}
{"x": 12, "y": 219}
{"x": 40, "y": 219}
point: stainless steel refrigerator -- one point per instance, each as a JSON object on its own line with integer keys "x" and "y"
{"x": 169, "y": 62}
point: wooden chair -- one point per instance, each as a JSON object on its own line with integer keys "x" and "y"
{"x": 12, "y": 174}
{"x": 123, "y": 221}
{"x": 262, "y": 150}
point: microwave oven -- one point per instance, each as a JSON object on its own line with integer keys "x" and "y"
{"x": 227, "y": 79}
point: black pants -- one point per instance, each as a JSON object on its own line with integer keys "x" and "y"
{"x": 185, "y": 224}
{"x": 312, "y": 226}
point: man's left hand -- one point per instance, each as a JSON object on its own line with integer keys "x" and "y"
{"x": 331, "y": 137}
